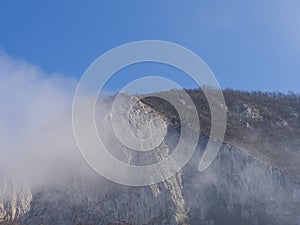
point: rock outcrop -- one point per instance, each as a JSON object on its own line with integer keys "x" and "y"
{"x": 238, "y": 188}
{"x": 15, "y": 196}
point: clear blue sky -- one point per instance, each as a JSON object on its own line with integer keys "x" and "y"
{"x": 252, "y": 45}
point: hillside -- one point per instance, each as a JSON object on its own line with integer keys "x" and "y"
{"x": 253, "y": 180}
{"x": 265, "y": 125}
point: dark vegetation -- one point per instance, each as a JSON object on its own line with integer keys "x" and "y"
{"x": 264, "y": 124}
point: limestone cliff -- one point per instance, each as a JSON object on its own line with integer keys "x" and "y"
{"x": 238, "y": 188}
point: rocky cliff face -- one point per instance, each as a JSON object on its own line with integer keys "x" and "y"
{"x": 236, "y": 189}
{"x": 15, "y": 197}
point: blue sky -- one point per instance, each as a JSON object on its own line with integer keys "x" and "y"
{"x": 251, "y": 45}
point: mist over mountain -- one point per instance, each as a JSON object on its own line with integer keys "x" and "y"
{"x": 44, "y": 180}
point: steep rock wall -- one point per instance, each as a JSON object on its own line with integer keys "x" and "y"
{"x": 236, "y": 189}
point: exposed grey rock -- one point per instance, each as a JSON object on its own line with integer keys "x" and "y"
{"x": 236, "y": 189}
{"x": 15, "y": 196}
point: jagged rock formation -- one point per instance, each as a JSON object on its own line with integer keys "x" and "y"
{"x": 240, "y": 187}
{"x": 15, "y": 197}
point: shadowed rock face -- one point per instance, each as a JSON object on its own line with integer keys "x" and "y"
{"x": 238, "y": 188}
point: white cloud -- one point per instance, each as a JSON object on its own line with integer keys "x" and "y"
{"x": 35, "y": 122}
